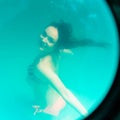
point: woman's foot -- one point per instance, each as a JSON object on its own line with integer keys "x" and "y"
{"x": 53, "y": 109}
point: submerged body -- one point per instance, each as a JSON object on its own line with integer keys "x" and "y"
{"x": 55, "y": 39}
{"x": 47, "y": 66}
{"x": 56, "y": 94}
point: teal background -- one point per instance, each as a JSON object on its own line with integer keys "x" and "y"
{"x": 89, "y": 73}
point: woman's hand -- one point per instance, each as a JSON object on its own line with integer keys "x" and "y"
{"x": 68, "y": 51}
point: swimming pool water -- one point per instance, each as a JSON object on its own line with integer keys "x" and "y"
{"x": 89, "y": 73}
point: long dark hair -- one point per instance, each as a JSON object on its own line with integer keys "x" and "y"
{"x": 66, "y": 40}
{"x": 64, "y": 33}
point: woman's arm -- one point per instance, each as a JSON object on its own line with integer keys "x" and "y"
{"x": 55, "y": 81}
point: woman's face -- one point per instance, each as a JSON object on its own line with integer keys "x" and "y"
{"x": 49, "y": 38}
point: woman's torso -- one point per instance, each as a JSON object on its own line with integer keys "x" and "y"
{"x": 46, "y": 62}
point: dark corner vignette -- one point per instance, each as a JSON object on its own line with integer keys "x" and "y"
{"x": 110, "y": 107}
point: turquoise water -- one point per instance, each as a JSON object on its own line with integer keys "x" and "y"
{"x": 89, "y": 73}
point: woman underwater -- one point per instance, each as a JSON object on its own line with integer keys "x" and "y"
{"x": 56, "y": 38}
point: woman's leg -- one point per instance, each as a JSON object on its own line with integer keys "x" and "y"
{"x": 55, "y": 103}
